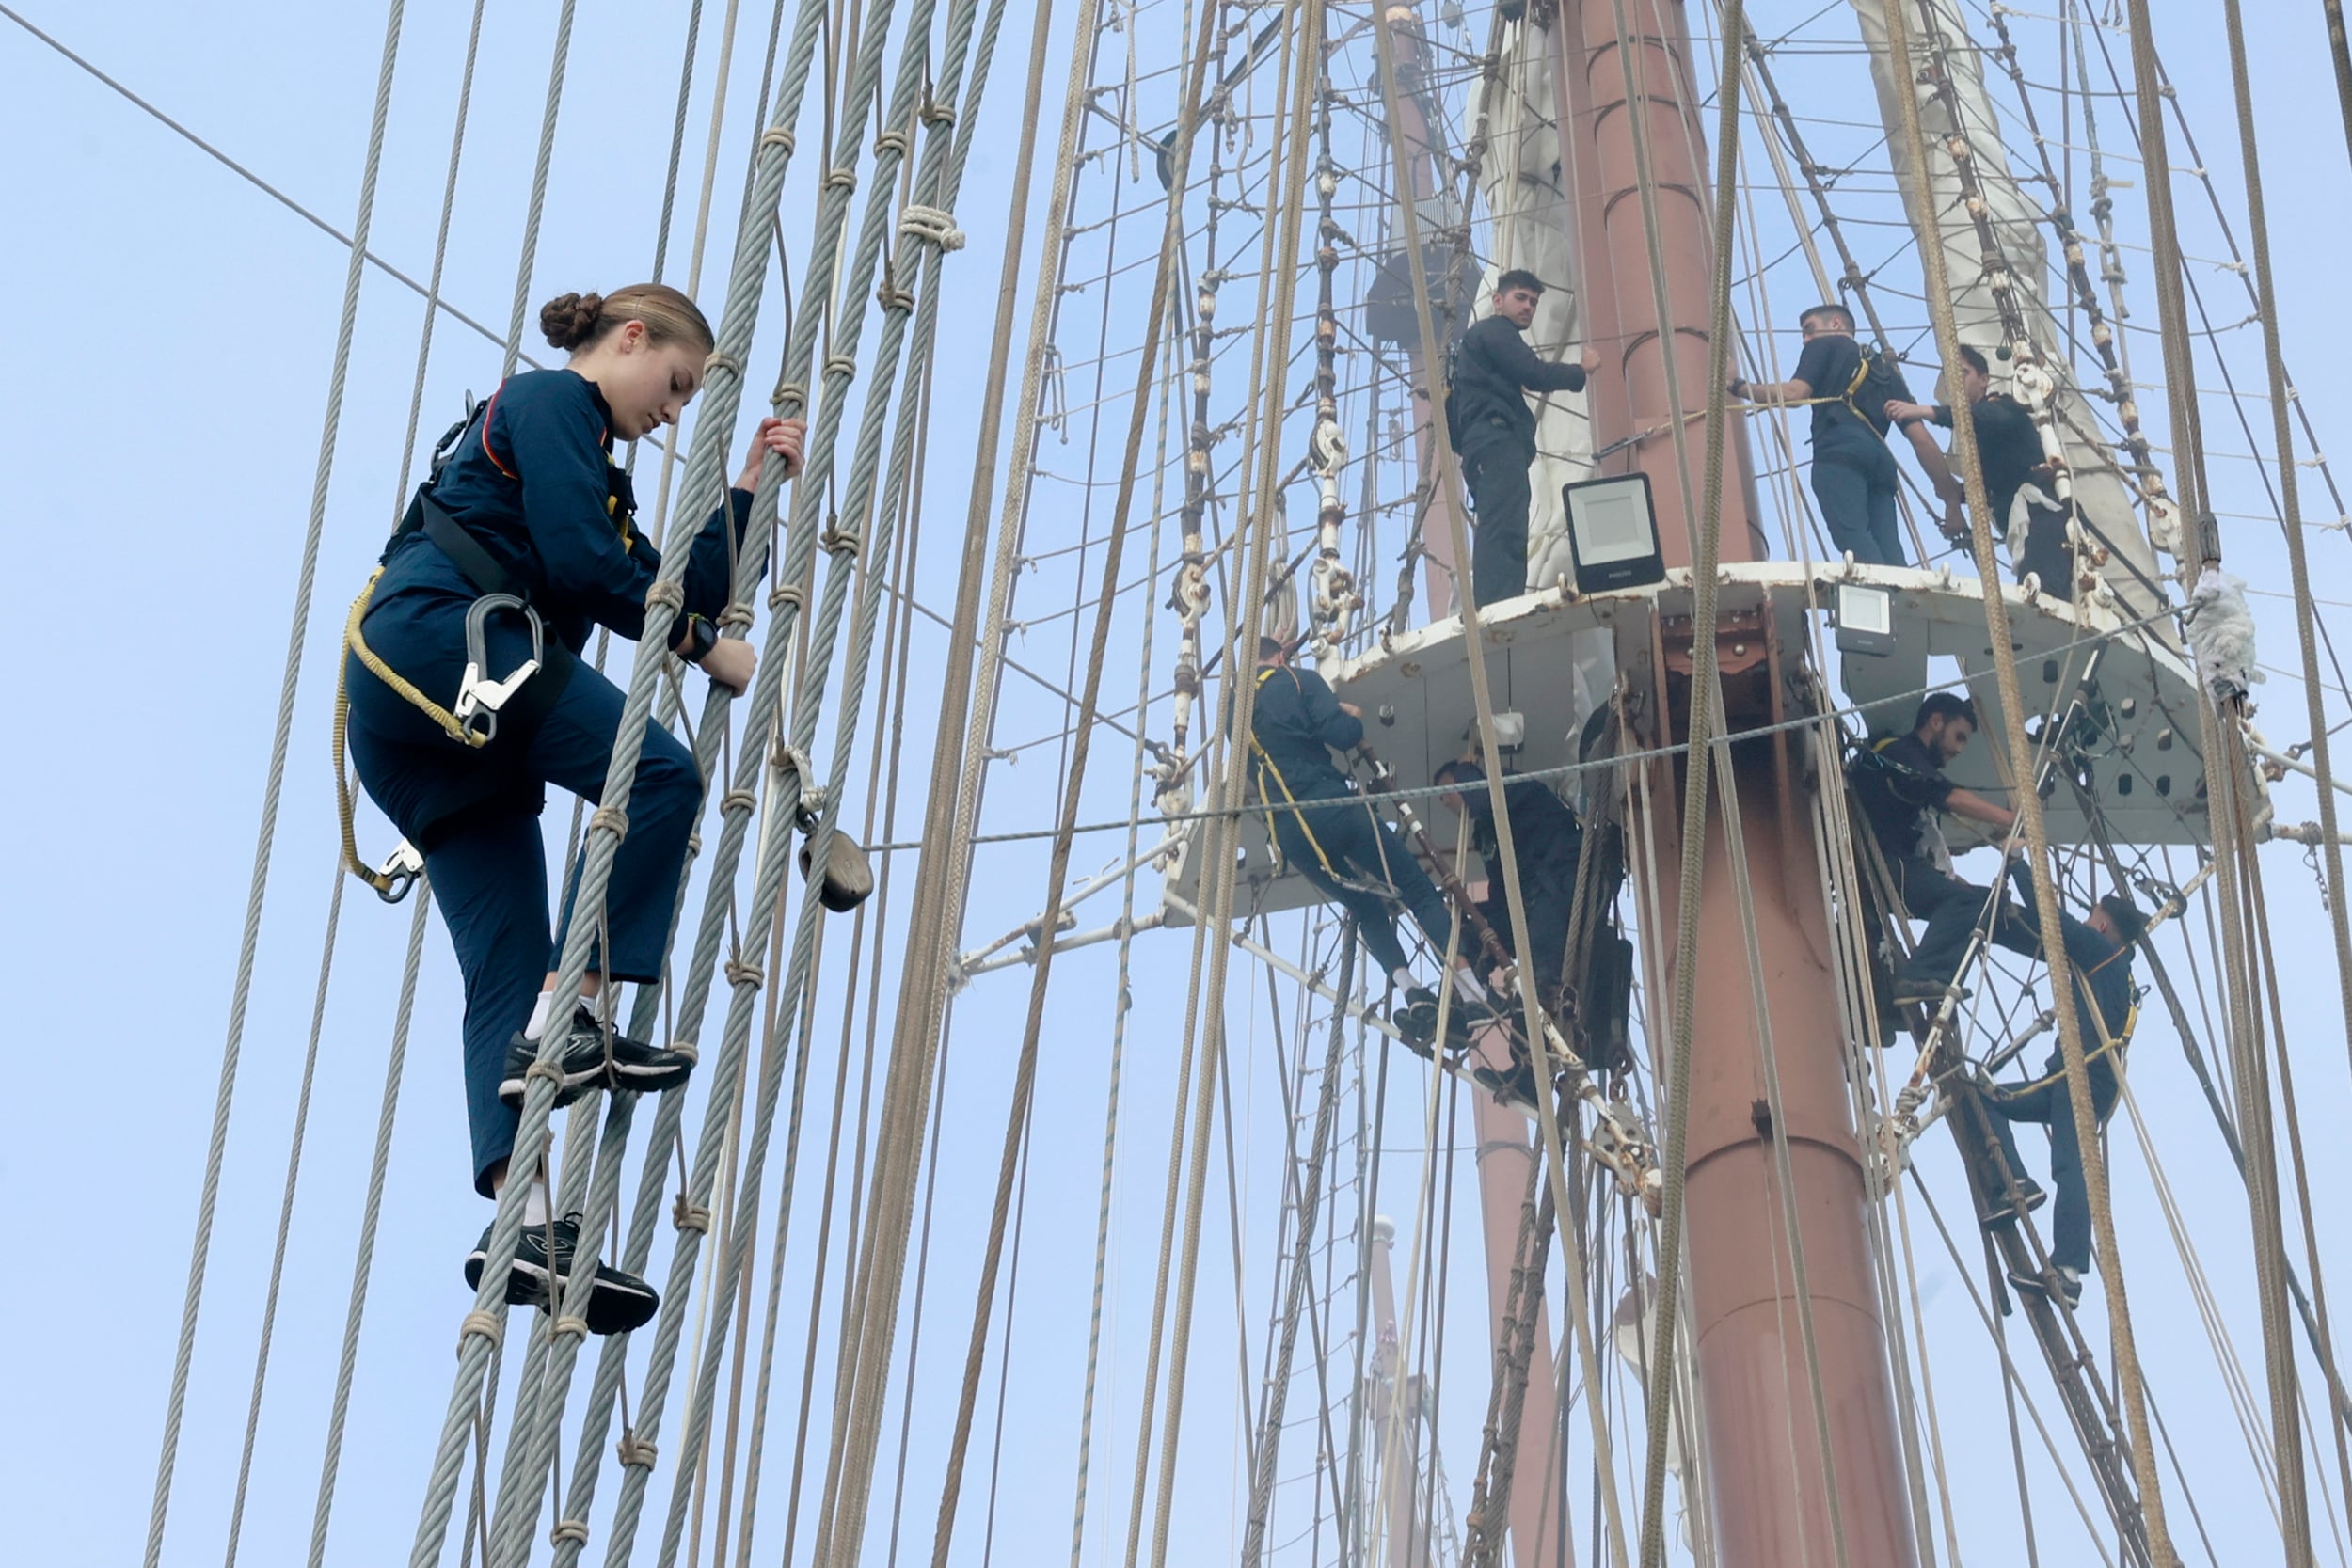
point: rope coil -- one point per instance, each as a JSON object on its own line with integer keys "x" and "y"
{"x": 934, "y": 225}
{"x": 572, "y": 1530}
{"x": 568, "y": 1326}
{"x": 487, "y": 1325}
{"x": 636, "y": 1452}
{"x": 609, "y": 819}
{"x": 738, "y": 800}
{"x": 670, "y": 595}
{"x": 741, "y": 974}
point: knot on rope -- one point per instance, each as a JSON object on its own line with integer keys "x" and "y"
{"x": 690, "y": 1216}
{"x": 567, "y": 1324}
{"x": 789, "y": 759}
{"x": 487, "y": 1324}
{"x": 841, "y": 540}
{"x": 789, "y": 391}
{"x": 633, "y": 1450}
{"x": 787, "y": 593}
{"x": 891, "y": 141}
{"x": 688, "y": 1049}
{"x": 735, "y": 617}
{"x": 741, "y": 974}
{"x": 551, "y": 1071}
{"x": 719, "y": 361}
{"x": 738, "y": 800}
{"x": 841, "y": 180}
{"x": 842, "y": 366}
{"x": 930, "y": 226}
{"x": 609, "y": 819}
{"x": 670, "y": 594}
{"x": 694, "y": 842}
{"x": 573, "y": 1531}
{"x": 936, "y": 113}
{"x": 778, "y": 136}
{"x": 892, "y": 298}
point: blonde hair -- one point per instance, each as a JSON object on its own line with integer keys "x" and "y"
{"x": 574, "y": 321}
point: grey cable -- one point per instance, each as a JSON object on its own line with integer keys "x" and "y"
{"x": 265, "y": 840}
{"x": 537, "y": 209}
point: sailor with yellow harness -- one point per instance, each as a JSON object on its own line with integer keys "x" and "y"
{"x": 2100, "y": 951}
{"x": 1854, "y": 473}
{"x": 464, "y": 697}
{"x": 1324, "y": 830}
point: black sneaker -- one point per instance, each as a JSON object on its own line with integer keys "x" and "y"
{"x": 636, "y": 1066}
{"x": 1416, "y": 1020}
{"x": 619, "y": 1302}
{"x": 2001, "y": 1212}
{"x": 1932, "y": 992}
{"x": 2070, "y": 1284}
{"x": 1515, "y": 1088}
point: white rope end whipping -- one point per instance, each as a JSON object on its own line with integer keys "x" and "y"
{"x": 930, "y": 225}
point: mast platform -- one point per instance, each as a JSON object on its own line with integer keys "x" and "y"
{"x": 1554, "y": 656}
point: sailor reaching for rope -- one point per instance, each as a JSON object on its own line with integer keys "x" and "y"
{"x": 2099, "y": 950}
{"x": 520, "y": 542}
{"x": 2017, "y": 474}
{"x": 1324, "y": 830}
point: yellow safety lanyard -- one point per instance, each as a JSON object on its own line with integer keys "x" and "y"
{"x": 2107, "y": 1043}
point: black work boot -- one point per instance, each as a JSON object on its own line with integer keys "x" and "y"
{"x": 2061, "y": 1284}
{"x": 618, "y": 1302}
{"x": 1999, "y": 1210}
{"x": 583, "y": 1063}
{"x": 1909, "y": 990}
{"x": 1516, "y": 1086}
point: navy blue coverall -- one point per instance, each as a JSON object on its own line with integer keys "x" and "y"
{"x": 1294, "y": 727}
{"x": 1549, "y": 842}
{"x": 1494, "y": 430}
{"x": 2102, "y": 999}
{"x": 533, "y": 483}
{"x": 1854, "y": 476}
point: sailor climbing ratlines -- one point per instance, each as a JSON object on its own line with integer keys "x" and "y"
{"x": 521, "y": 542}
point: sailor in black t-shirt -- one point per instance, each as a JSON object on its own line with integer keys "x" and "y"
{"x": 1494, "y": 430}
{"x": 2016, "y": 472}
{"x": 1853, "y": 474}
{"x": 1901, "y": 786}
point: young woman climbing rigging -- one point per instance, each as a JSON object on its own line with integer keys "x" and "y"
{"x": 520, "y": 542}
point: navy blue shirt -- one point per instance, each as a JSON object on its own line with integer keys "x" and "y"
{"x": 533, "y": 481}
{"x": 1902, "y": 787}
{"x": 1298, "y": 724}
{"x": 1493, "y": 372}
{"x": 1828, "y": 365}
{"x": 2007, "y": 444}
{"x": 2102, "y": 974}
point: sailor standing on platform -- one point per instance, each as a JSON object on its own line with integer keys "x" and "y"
{"x": 520, "y": 543}
{"x": 1854, "y": 477}
{"x": 1494, "y": 430}
{"x": 2008, "y": 446}
{"x": 1324, "y": 830}
{"x": 2100, "y": 952}
{"x": 1900, "y": 785}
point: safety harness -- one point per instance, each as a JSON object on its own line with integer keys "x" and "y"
{"x": 1265, "y": 769}
{"x": 522, "y": 697}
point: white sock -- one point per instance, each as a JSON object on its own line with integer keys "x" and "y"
{"x": 535, "y": 1203}
{"x": 1466, "y": 986}
{"x": 539, "y": 1009}
{"x": 1403, "y": 976}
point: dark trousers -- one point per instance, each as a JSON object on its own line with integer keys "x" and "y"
{"x": 2044, "y": 552}
{"x": 1345, "y": 839}
{"x": 1953, "y": 908}
{"x": 1495, "y": 472}
{"x": 489, "y": 873}
{"x": 2048, "y": 1103}
{"x": 1547, "y": 929}
{"x": 1855, "y": 480}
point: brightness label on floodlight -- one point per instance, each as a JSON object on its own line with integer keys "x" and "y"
{"x": 1612, "y": 533}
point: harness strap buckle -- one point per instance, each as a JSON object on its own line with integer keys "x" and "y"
{"x": 479, "y": 698}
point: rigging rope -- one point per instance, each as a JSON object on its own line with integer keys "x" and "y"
{"x": 2030, "y": 812}
{"x": 200, "y": 1250}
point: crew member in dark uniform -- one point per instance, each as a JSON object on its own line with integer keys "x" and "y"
{"x": 1901, "y": 786}
{"x": 1342, "y": 847}
{"x": 1854, "y": 476}
{"x": 2010, "y": 447}
{"x": 1494, "y": 430}
{"x": 528, "y": 502}
{"x": 2100, "y": 951}
{"x": 1547, "y": 843}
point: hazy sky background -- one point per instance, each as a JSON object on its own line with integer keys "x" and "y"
{"x": 172, "y": 330}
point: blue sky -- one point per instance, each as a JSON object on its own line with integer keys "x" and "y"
{"x": 174, "y": 331}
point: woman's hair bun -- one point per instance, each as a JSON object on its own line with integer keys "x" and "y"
{"x": 570, "y": 320}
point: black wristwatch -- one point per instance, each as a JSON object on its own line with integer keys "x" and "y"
{"x": 700, "y": 637}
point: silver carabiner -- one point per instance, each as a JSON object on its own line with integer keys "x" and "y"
{"x": 399, "y": 872}
{"x": 479, "y": 698}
